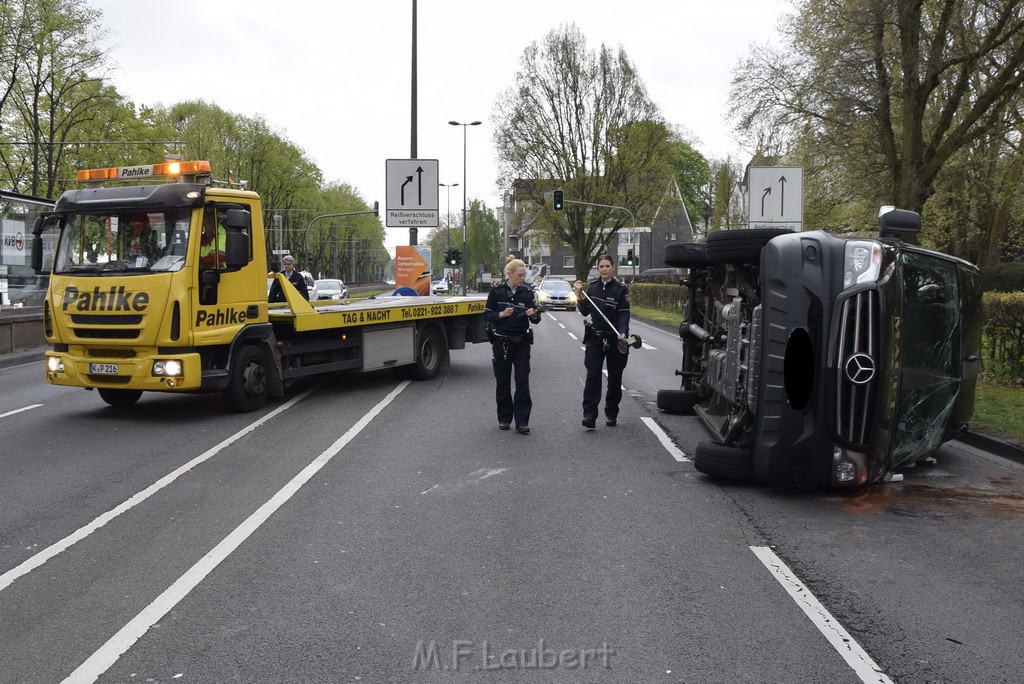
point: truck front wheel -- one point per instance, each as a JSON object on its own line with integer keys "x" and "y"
{"x": 119, "y": 397}
{"x": 250, "y": 382}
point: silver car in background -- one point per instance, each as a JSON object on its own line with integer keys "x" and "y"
{"x": 331, "y": 288}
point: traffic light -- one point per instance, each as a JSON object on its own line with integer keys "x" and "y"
{"x": 449, "y": 255}
{"x": 559, "y": 202}
{"x": 456, "y": 258}
{"x": 630, "y": 261}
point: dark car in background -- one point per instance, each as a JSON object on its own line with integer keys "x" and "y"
{"x": 665, "y": 276}
{"x": 815, "y": 360}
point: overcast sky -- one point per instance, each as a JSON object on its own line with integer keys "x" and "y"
{"x": 333, "y": 76}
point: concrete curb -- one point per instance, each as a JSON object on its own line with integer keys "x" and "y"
{"x": 993, "y": 446}
{"x": 27, "y": 356}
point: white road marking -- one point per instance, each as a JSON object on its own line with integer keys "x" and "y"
{"x": 855, "y": 656}
{"x": 24, "y": 408}
{"x": 81, "y": 533}
{"x": 100, "y": 661}
{"x": 476, "y": 476}
{"x": 647, "y": 346}
{"x": 665, "y": 440}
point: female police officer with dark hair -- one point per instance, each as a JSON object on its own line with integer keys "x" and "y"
{"x": 510, "y": 309}
{"x": 602, "y": 342}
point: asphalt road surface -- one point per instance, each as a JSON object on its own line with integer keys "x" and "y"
{"x": 366, "y": 529}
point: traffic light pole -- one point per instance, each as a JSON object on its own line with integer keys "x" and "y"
{"x": 607, "y": 206}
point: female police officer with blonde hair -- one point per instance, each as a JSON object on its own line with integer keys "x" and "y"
{"x": 510, "y": 309}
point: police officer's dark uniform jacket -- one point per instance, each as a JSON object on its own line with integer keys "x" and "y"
{"x": 613, "y": 299}
{"x": 296, "y": 279}
{"x": 511, "y": 338}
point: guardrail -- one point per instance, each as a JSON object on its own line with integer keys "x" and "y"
{"x": 21, "y": 330}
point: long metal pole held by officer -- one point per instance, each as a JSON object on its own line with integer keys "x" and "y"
{"x": 624, "y": 345}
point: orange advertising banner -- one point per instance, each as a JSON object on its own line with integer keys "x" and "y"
{"x": 412, "y": 268}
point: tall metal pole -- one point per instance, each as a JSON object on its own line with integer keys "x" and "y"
{"x": 465, "y": 212}
{"x": 412, "y": 136}
{"x": 449, "y": 187}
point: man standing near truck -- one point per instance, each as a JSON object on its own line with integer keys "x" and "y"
{"x": 293, "y": 276}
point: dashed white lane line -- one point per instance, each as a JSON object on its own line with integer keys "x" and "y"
{"x": 100, "y": 661}
{"x": 855, "y": 656}
{"x": 23, "y": 408}
{"x": 665, "y": 440}
{"x": 81, "y": 533}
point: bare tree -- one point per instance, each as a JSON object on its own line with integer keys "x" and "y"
{"x": 581, "y": 121}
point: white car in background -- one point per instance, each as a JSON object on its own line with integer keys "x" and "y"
{"x": 440, "y": 287}
{"x": 331, "y": 288}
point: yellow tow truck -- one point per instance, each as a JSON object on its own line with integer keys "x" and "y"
{"x": 141, "y": 300}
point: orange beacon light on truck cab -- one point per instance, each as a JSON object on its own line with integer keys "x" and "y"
{"x": 170, "y": 169}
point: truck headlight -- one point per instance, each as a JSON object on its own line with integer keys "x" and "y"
{"x": 54, "y": 364}
{"x": 167, "y": 368}
{"x": 862, "y": 262}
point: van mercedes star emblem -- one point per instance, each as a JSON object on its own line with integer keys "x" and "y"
{"x": 860, "y": 368}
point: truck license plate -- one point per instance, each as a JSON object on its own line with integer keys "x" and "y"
{"x": 103, "y": 368}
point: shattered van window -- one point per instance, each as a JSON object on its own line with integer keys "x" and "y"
{"x": 929, "y": 355}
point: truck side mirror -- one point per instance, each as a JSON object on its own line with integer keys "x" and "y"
{"x": 37, "y": 253}
{"x": 238, "y": 221}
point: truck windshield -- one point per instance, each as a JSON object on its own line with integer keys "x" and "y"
{"x": 929, "y": 365}
{"x": 123, "y": 241}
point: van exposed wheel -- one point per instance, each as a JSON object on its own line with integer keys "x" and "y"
{"x": 249, "y": 385}
{"x": 727, "y": 463}
{"x": 678, "y": 401}
{"x": 741, "y": 246}
{"x": 119, "y": 397}
{"x": 686, "y": 255}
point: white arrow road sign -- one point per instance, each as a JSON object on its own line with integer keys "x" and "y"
{"x": 411, "y": 195}
{"x": 775, "y": 196}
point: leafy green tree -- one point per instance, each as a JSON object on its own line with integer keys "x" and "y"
{"x": 580, "y": 121}
{"x": 884, "y": 94}
{"x": 57, "y": 90}
{"x": 693, "y": 174}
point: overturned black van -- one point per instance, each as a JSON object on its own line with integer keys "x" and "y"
{"x": 823, "y": 361}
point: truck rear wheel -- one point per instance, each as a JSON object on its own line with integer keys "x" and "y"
{"x": 724, "y": 462}
{"x": 249, "y": 385}
{"x": 429, "y": 354}
{"x": 119, "y": 397}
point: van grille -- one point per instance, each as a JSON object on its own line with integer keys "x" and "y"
{"x": 857, "y": 365}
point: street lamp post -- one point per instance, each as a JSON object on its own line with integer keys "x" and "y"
{"x": 465, "y": 247}
{"x": 449, "y": 187}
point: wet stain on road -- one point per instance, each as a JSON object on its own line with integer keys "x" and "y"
{"x": 1003, "y": 497}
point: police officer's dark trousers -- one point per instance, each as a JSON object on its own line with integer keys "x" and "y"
{"x": 509, "y": 356}
{"x": 597, "y": 353}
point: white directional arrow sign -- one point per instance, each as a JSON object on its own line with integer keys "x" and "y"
{"x": 411, "y": 195}
{"x": 775, "y": 196}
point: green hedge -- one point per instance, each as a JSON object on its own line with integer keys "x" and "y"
{"x": 658, "y": 296}
{"x": 1003, "y": 277}
{"x": 1003, "y": 333}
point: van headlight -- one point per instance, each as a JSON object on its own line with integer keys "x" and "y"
{"x": 862, "y": 262}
